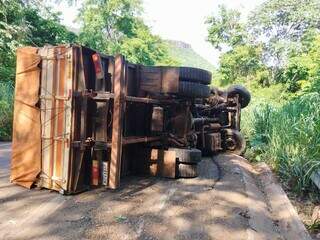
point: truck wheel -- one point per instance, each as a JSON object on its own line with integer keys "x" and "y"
{"x": 193, "y": 90}
{"x": 244, "y": 94}
{"x": 234, "y": 142}
{"x": 189, "y": 156}
{"x": 189, "y": 74}
{"x": 187, "y": 170}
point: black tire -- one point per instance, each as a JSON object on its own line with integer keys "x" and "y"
{"x": 234, "y": 142}
{"x": 193, "y": 90}
{"x": 190, "y": 156}
{"x": 244, "y": 94}
{"x": 187, "y": 170}
{"x": 189, "y": 74}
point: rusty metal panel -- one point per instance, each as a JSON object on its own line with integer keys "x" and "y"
{"x": 159, "y": 79}
{"x": 150, "y": 79}
{"x": 55, "y": 105}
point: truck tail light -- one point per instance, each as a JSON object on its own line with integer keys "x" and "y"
{"x": 98, "y": 66}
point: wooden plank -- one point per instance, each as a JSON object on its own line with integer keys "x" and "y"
{"x": 44, "y": 114}
{"x": 169, "y": 164}
{"x": 119, "y": 97}
{"x": 163, "y": 163}
{"x": 47, "y": 115}
{"x": 68, "y": 116}
{"x": 53, "y": 115}
{"x": 59, "y": 121}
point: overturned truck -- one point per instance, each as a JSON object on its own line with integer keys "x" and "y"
{"x": 84, "y": 119}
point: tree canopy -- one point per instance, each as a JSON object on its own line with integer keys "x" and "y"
{"x": 115, "y": 26}
{"x": 281, "y": 25}
{"x": 275, "y": 44}
{"x": 225, "y": 28}
{"x": 21, "y": 23}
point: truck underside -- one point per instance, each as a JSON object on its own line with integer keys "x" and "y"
{"x": 93, "y": 118}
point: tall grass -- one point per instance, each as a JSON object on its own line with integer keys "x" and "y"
{"x": 288, "y": 137}
{"x": 6, "y": 109}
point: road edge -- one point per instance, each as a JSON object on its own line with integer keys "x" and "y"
{"x": 283, "y": 211}
{"x": 261, "y": 225}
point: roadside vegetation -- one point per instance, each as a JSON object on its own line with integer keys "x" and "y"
{"x": 6, "y": 110}
{"x": 275, "y": 53}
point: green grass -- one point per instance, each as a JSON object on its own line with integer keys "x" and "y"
{"x": 6, "y": 110}
{"x": 286, "y": 134}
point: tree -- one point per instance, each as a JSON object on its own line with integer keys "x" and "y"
{"x": 46, "y": 30}
{"x": 12, "y": 32}
{"x": 145, "y": 48}
{"x": 303, "y": 70}
{"x": 21, "y": 24}
{"x": 280, "y": 25}
{"x": 225, "y": 28}
{"x": 106, "y": 22}
{"x": 243, "y": 60}
{"x": 115, "y": 26}
{"x": 240, "y": 64}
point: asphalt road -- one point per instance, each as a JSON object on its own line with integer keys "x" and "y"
{"x": 143, "y": 208}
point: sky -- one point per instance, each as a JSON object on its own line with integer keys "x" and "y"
{"x": 181, "y": 20}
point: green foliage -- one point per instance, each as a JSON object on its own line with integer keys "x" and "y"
{"x": 46, "y": 30}
{"x": 281, "y": 25}
{"x": 12, "y": 32}
{"x": 6, "y": 110}
{"x": 146, "y": 48}
{"x": 240, "y": 64}
{"x": 115, "y": 26}
{"x": 21, "y": 24}
{"x": 279, "y": 43}
{"x": 288, "y": 137}
{"x": 225, "y": 28}
{"x": 296, "y": 73}
{"x": 302, "y": 71}
{"x": 106, "y": 22}
{"x": 288, "y": 20}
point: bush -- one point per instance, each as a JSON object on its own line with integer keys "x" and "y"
{"x": 288, "y": 137}
{"x": 6, "y": 110}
